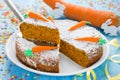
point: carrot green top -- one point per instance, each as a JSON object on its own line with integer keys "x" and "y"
{"x": 29, "y": 53}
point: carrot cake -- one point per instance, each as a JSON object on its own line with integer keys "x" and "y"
{"x": 40, "y": 31}
{"x": 36, "y": 47}
{"x": 84, "y": 53}
{"x": 38, "y": 44}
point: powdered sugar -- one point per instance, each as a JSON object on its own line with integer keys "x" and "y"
{"x": 25, "y": 44}
{"x": 49, "y": 58}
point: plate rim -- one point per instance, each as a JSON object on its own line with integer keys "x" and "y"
{"x": 53, "y": 74}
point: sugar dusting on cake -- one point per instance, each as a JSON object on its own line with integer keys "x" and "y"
{"x": 48, "y": 58}
{"x": 25, "y": 44}
{"x": 48, "y": 24}
{"x": 85, "y": 31}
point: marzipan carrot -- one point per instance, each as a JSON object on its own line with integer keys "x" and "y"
{"x": 42, "y": 48}
{"x": 78, "y": 25}
{"x": 50, "y": 18}
{"x": 90, "y": 39}
{"x": 76, "y": 12}
{"x": 37, "y": 16}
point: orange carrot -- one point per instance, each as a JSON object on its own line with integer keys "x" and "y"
{"x": 78, "y": 25}
{"x": 91, "y": 39}
{"x": 42, "y": 48}
{"x": 50, "y": 18}
{"x": 36, "y": 16}
{"x": 76, "y": 12}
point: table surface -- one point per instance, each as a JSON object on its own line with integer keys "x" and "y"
{"x": 8, "y": 23}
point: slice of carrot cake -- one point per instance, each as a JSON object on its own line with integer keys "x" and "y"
{"x": 79, "y": 44}
{"x": 38, "y": 29}
{"x": 37, "y": 46}
{"x": 43, "y": 58}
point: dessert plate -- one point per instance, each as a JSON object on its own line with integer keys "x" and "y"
{"x": 67, "y": 66}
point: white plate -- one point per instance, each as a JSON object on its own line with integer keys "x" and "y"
{"x": 67, "y": 66}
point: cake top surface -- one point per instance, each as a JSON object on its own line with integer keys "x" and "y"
{"x": 38, "y": 22}
{"x": 85, "y": 31}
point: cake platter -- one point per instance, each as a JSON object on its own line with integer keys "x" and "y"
{"x": 67, "y": 66}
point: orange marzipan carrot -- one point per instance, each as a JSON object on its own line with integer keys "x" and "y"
{"x": 37, "y": 16}
{"x": 76, "y": 12}
{"x": 78, "y": 25}
{"x": 42, "y": 48}
{"x": 50, "y": 18}
{"x": 91, "y": 39}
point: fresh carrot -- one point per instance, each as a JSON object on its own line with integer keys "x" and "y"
{"x": 76, "y": 12}
{"x": 42, "y": 48}
{"x": 78, "y": 25}
{"x": 90, "y": 39}
{"x": 50, "y": 18}
{"x": 36, "y": 16}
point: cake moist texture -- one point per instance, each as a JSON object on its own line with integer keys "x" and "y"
{"x": 40, "y": 31}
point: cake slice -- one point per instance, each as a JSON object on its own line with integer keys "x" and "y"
{"x": 84, "y": 53}
{"x": 38, "y": 47}
{"x": 40, "y": 31}
{"x": 47, "y": 60}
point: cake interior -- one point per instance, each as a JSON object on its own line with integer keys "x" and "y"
{"x": 40, "y": 33}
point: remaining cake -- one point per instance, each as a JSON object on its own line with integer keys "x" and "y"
{"x": 84, "y": 53}
{"x": 47, "y": 60}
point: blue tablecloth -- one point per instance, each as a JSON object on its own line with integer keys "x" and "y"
{"x": 8, "y": 23}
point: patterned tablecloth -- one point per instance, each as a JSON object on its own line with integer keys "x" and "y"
{"x": 109, "y": 70}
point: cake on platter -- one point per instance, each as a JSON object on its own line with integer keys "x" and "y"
{"x": 81, "y": 43}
